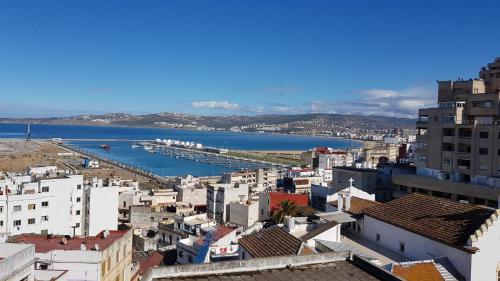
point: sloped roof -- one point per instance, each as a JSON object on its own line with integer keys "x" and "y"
{"x": 439, "y": 219}
{"x": 271, "y": 242}
{"x": 358, "y": 205}
{"x": 418, "y": 272}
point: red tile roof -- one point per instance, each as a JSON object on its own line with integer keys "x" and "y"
{"x": 418, "y": 272}
{"x": 45, "y": 245}
{"x": 436, "y": 218}
{"x": 358, "y": 205}
{"x": 271, "y": 242}
{"x": 155, "y": 259}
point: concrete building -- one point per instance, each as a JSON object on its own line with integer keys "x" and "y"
{"x": 16, "y": 262}
{"x": 182, "y": 227}
{"x": 257, "y": 180}
{"x": 218, "y": 244}
{"x": 145, "y": 215}
{"x": 365, "y": 179}
{"x": 100, "y": 208}
{"x": 220, "y": 195}
{"x": 458, "y": 143}
{"x": 244, "y": 214}
{"x": 160, "y": 197}
{"x": 193, "y": 193}
{"x": 105, "y": 257}
{"x": 48, "y": 204}
{"x": 424, "y": 227}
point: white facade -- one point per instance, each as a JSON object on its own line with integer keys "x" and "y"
{"x": 220, "y": 195}
{"x": 100, "y": 208}
{"x": 189, "y": 249}
{"x": 481, "y": 265}
{"x": 244, "y": 213}
{"x": 48, "y": 205}
{"x": 16, "y": 262}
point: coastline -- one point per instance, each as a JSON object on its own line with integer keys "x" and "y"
{"x": 362, "y": 142}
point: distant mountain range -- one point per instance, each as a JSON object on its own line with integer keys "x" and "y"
{"x": 281, "y": 123}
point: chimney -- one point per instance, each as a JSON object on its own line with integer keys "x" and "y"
{"x": 290, "y": 223}
{"x": 340, "y": 203}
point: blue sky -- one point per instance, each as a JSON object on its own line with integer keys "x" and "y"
{"x": 60, "y": 58}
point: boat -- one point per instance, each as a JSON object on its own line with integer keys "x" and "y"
{"x": 135, "y": 145}
{"x": 105, "y": 146}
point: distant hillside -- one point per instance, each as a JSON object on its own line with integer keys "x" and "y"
{"x": 286, "y": 123}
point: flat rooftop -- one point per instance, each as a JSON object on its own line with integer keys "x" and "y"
{"x": 44, "y": 244}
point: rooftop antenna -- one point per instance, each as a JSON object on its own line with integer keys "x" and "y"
{"x": 28, "y": 137}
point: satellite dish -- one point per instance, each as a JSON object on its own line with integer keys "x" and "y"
{"x": 83, "y": 247}
{"x": 96, "y": 247}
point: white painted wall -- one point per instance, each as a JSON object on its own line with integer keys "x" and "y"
{"x": 416, "y": 246}
{"x": 101, "y": 205}
{"x": 487, "y": 260}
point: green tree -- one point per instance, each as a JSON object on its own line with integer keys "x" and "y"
{"x": 286, "y": 208}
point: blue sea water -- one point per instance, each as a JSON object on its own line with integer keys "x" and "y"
{"x": 161, "y": 164}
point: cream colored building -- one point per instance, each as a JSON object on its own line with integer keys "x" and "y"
{"x": 458, "y": 143}
{"x": 257, "y": 180}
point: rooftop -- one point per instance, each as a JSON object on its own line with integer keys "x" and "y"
{"x": 271, "y": 242}
{"x": 325, "y": 266}
{"x": 439, "y": 219}
{"x": 358, "y": 205}
{"x": 44, "y": 244}
{"x": 147, "y": 260}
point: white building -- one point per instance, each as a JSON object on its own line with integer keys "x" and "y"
{"x": 245, "y": 213}
{"x": 46, "y": 205}
{"x": 220, "y": 195}
{"x": 16, "y": 262}
{"x": 105, "y": 257}
{"x": 427, "y": 228}
{"x": 217, "y": 244}
{"x": 100, "y": 208}
{"x": 322, "y": 195}
{"x": 183, "y": 226}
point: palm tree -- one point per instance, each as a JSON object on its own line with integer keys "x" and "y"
{"x": 286, "y": 208}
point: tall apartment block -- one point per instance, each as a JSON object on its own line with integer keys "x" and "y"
{"x": 458, "y": 143}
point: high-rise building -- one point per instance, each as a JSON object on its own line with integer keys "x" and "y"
{"x": 458, "y": 143}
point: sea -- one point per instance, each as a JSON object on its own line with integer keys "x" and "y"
{"x": 89, "y": 138}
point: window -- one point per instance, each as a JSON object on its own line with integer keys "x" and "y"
{"x": 77, "y": 225}
{"x": 181, "y": 254}
{"x": 44, "y": 231}
{"x": 152, "y": 219}
{"x": 401, "y": 247}
{"x": 1, "y": 223}
{"x": 77, "y": 212}
{"x": 45, "y": 203}
{"x": 45, "y": 189}
{"x": 483, "y": 151}
{"x": 377, "y": 236}
{"x": 483, "y": 166}
{"x": 45, "y": 218}
{"x": 190, "y": 259}
{"x": 17, "y": 222}
{"x": 483, "y": 135}
{"x": 1, "y": 209}
{"x": 79, "y": 187}
{"x": 31, "y": 206}
{"x": 31, "y": 221}
{"x": 117, "y": 256}
{"x": 78, "y": 199}
{"x": 17, "y": 208}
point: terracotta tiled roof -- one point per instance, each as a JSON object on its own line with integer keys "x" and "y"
{"x": 436, "y": 218}
{"x": 358, "y": 205}
{"x": 147, "y": 260}
{"x": 302, "y": 182}
{"x": 418, "y": 272}
{"x": 45, "y": 245}
{"x": 271, "y": 242}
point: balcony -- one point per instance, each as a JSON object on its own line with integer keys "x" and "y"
{"x": 463, "y": 168}
{"x": 447, "y": 154}
{"x": 463, "y": 155}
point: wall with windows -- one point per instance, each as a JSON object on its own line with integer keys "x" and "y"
{"x": 416, "y": 246}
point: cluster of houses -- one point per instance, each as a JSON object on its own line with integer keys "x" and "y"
{"x": 56, "y": 225}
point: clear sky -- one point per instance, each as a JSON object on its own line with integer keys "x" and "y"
{"x": 60, "y": 58}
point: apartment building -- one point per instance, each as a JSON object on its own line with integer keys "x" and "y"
{"x": 104, "y": 257}
{"x": 457, "y": 150}
{"x": 257, "y": 180}
{"x": 100, "y": 207}
{"x": 220, "y": 195}
{"x": 48, "y": 204}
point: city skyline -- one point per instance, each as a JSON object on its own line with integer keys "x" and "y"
{"x": 224, "y": 58}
